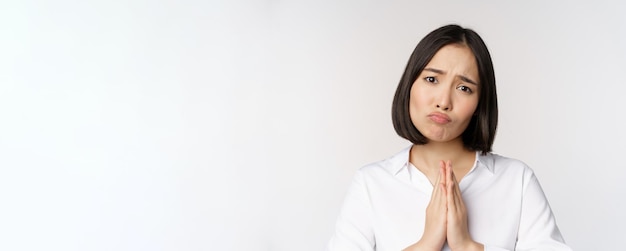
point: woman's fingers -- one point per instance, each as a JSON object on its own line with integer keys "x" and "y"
{"x": 436, "y": 216}
{"x": 437, "y": 190}
{"x": 457, "y": 235}
{"x": 457, "y": 195}
{"x": 453, "y": 192}
{"x": 450, "y": 188}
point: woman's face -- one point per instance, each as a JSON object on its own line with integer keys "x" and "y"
{"x": 445, "y": 95}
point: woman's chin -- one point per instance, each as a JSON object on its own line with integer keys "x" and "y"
{"x": 437, "y": 135}
{"x": 440, "y": 137}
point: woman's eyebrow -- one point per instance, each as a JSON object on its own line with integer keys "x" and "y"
{"x": 465, "y": 79}
{"x": 434, "y": 70}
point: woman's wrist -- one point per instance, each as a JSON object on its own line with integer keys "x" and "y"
{"x": 421, "y": 246}
{"x": 475, "y": 246}
{"x": 468, "y": 246}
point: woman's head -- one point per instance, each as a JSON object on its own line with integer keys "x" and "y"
{"x": 459, "y": 79}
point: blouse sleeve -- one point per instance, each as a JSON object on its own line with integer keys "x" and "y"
{"x": 353, "y": 230}
{"x": 537, "y": 229}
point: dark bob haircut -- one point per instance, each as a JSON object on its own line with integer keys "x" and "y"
{"x": 481, "y": 131}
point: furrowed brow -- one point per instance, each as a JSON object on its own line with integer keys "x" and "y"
{"x": 434, "y": 70}
{"x": 465, "y": 79}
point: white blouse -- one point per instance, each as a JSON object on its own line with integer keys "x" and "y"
{"x": 385, "y": 207}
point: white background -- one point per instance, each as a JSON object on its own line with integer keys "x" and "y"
{"x": 237, "y": 125}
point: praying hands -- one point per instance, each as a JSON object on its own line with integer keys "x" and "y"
{"x": 446, "y": 216}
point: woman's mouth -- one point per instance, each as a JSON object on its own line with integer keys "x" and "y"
{"x": 439, "y": 118}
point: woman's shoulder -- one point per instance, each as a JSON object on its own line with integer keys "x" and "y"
{"x": 502, "y": 164}
{"x": 391, "y": 164}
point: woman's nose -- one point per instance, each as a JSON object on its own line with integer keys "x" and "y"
{"x": 444, "y": 102}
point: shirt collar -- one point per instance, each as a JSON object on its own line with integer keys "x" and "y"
{"x": 400, "y": 161}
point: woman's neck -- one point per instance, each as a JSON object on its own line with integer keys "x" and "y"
{"x": 427, "y": 157}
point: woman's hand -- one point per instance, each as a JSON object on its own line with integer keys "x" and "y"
{"x": 457, "y": 231}
{"x": 446, "y": 217}
{"x": 436, "y": 216}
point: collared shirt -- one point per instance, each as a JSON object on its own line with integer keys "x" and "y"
{"x": 385, "y": 207}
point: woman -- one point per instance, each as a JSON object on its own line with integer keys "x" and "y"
{"x": 447, "y": 191}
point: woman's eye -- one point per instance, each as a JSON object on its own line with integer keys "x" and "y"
{"x": 465, "y": 89}
{"x": 430, "y": 79}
